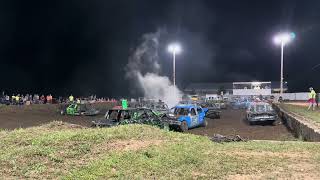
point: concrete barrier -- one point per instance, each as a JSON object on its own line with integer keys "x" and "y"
{"x": 301, "y": 127}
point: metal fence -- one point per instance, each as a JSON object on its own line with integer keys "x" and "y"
{"x": 301, "y": 96}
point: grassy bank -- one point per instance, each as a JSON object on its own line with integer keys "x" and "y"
{"x": 67, "y": 151}
{"x": 303, "y": 111}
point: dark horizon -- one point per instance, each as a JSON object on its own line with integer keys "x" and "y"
{"x": 81, "y": 47}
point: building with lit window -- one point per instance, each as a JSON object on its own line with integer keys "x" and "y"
{"x": 236, "y": 88}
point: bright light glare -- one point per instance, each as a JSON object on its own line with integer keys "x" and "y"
{"x": 256, "y": 83}
{"x": 174, "y": 48}
{"x": 283, "y": 38}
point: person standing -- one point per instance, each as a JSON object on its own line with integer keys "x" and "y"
{"x": 13, "y": 99}
{"x": 312, "y": 99}
{"x": 18, "y": 99}
{"x": 317, "y": 99}
{"x": 51, "y": 98}
{"x": 71, "y": 98}
{"x": 48, "y": 99}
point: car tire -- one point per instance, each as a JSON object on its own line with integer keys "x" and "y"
{"x": 205, "y": 123}
{"x": 272, "y": 123}
{"x": 184, "y": 126}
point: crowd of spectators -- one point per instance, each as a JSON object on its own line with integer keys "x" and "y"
{"x": 20, "y": 99}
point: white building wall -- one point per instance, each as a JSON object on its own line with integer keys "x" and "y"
{"x": 251, "y": 92}
{"x": 302, "y": 96}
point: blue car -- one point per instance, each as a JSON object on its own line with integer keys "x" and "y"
{"x": 189, "y": 116}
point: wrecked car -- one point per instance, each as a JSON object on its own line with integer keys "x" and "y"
{"x": 213, "y": 114}
{"x": 120, "y": 116}
{"x": 213, "y": 110}
{"x": 189, "y": 116}
{"x": 75, "y": 109}
{"x": 221, "y": 105}
{"x": 210, "y": 105}
{"x": 261, "y": 112}
{"x": 160, "y": 108}
{"x": 218, "y": 104}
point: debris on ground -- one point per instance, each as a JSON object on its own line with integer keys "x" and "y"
{"x": 220, "y": 138}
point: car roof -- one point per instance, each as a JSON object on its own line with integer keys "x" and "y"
{"x": 259, "y": 103}
{"x": 129, "y": 108}
{"x": 185, "y": 106}
{"x": 120, "y": 108}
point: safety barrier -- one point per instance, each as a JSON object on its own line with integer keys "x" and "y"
{"x": 301, "y": 127}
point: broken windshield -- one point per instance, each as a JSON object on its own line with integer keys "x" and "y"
{"x": 181, "y": 111}
{"x": 113, "y": 114}
{"x": 261, "y": 108}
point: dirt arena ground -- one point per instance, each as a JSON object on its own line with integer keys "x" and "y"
{"x": 231, "y": 122}
{"x": 305, "y": 104}
{"x": 12, "y": 117}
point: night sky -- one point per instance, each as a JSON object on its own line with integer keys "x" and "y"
{"x": 82, "y": 46}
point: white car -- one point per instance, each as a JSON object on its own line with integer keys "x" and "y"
{"x": 261, "y": 112}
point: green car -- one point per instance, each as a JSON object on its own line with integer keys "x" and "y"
{"x": 119, "y": 116}
{"x": 79, "y": 109}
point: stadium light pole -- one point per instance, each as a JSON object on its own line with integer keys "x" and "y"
{"x": 283, "y": 39}
{"x": 174, "y": 48}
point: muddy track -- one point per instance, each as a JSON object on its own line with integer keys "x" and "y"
{"x": 12, "y": 117}
{"x": 233, "y": 122}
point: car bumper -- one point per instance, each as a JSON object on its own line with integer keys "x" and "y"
{"x": 173, "y": 122}
{"x": 90, "y": 113}
{"x": 262, "y": 119}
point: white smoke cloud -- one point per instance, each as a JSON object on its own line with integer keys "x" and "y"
{"x": 159, "y": 87}
{"x": 144, "y": 68}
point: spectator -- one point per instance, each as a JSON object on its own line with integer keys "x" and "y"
{"x": 71, "y": 98}
{"x": 13, "y": 99}
{"x": 49, "y": 99}
{"x": 36, "y": 99}
{"x": 312, "y": 99}
{"x": 42, "y": 99}
{"x": 18, "y": 99}
{"x": 317, "y": 99}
